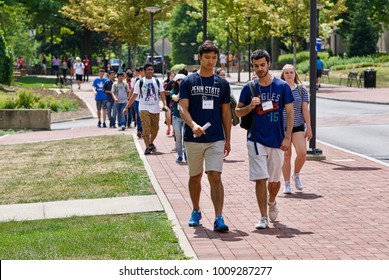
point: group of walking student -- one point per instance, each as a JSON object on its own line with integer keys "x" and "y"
{"x": 202, "y": 120}
{"x": 279, "y": 118}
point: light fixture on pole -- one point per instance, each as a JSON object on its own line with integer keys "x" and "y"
{"x": 152, "y": 10}
{"x": 313, "y": 152}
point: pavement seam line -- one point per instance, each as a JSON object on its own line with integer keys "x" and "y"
{"x": 182, "y": 238}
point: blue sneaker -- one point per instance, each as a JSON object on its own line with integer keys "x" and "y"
{"x": 179, "y": 160}
{"x": 219, "y": 225}
{"x": 195, "y": 218}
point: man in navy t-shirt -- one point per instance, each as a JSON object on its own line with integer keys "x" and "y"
{"x": 205, "y": 98}
{"x": 266, "y": 139}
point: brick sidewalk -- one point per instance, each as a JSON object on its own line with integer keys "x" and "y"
{"x": 341, "y": 214}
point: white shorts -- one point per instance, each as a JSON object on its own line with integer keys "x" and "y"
{"x": 267, "y": 164}
{"x": 210, "y": 153}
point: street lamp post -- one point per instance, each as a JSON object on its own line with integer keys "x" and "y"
{"x": 313, "y": 152}
{"x": 228, "y": 57}
{"x": 204, "y": 20}
{"x": 249, "y": 41}
{"x": 152, "y": 10}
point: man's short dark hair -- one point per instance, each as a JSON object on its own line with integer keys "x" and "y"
{"x": 137, "y": 69}
{"x": 258, "y": 54}
{"x": 111, "y": 71}
{"x": 101, "y": 70}
{"x": 183, "y": 71}
{"x": 207, "y": 47}
{"x": 147, "y": 65}
{"x": 120, "y": 74}
{"x": 129, "y": 73}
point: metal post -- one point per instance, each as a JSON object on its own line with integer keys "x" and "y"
{"x": 205, "y": 20}
{"x": 317, "y": 153}
{"x": 152, "y": 11}
{"x": 152, "y": 38}
{"x": 249, "y": 41}
{"x": 228, "y": 56}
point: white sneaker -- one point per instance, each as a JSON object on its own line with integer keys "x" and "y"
{"x": 287, "y": 188}
{"x": 273, "y": 211}
{"x": 262, "y": 223}
{"x": 297, "y": 182}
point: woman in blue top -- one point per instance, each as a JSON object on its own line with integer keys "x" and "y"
{"x": 301, "y": 132}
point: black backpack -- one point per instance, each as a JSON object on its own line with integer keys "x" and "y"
{"x": 247, "y": 120}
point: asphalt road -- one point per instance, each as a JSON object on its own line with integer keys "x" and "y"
{"x": 358, "y": 127}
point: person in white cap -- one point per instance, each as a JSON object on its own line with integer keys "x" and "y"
{"x": 79, "y": 70}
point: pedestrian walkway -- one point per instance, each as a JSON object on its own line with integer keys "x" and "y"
{"x": 340, "y": 214}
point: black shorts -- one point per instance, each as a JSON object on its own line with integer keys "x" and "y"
{"x": 78, "y": 77}
{"x": 298, "y": 128}
{"x": 318, "y": 73}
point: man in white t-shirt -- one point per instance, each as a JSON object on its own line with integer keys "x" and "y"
{"x": 79, "y": 70}
{"x": 148, "y": 89}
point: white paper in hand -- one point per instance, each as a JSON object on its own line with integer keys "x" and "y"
{"x": 205, "y": 126}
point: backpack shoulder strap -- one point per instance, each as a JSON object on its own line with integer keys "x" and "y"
{"x": 299, "y": 87}
{"x": 253, "y": 88}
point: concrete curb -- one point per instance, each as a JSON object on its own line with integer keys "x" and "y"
{"x": 82, "y": 207}
{"x": 182, "y": 239}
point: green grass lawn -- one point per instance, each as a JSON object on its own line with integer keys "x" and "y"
{"x": 90, "y": 167}
{"x": 382, "y": 76}
{"x": 145, "y": 236}
{"x": 36, "y": 82}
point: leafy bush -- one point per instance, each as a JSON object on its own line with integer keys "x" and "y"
{"x": 177, "y": 67}
{"x": 25, "y": 99}
{"x": 288, "y": 58}
{"x": 7, "y": 102}
{"x": 338, "y": 63}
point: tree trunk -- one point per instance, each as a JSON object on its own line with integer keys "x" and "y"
{"x": 86, "y": 44}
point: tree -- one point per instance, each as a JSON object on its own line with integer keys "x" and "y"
{"x": 6, "y": 66}
{"x": 183, "y": 31}
{"x": 362, "y": 38}
{"x": 125, "y": 21}
{"x": 363, "y": 22}
{"x": 294, "y": 29}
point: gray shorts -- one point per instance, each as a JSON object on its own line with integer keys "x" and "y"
{"x": 212, "y": 154}
{"x": 101, "y": 104}
{"x": 267, "y": 164}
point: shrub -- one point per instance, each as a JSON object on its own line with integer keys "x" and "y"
{"x": 26, "y": 99}
{"x": 7, "y": 101}
{"x": 6, "y": 73}
{"x": 177, "y": 67}
{"x": 29, "y": 100}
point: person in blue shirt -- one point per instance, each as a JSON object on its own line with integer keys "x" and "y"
{"x": 266, "y": 139}
{"x": 319, "y": 71}
{"x": 100, "y": 97}
{"x": 205, "y": 97}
